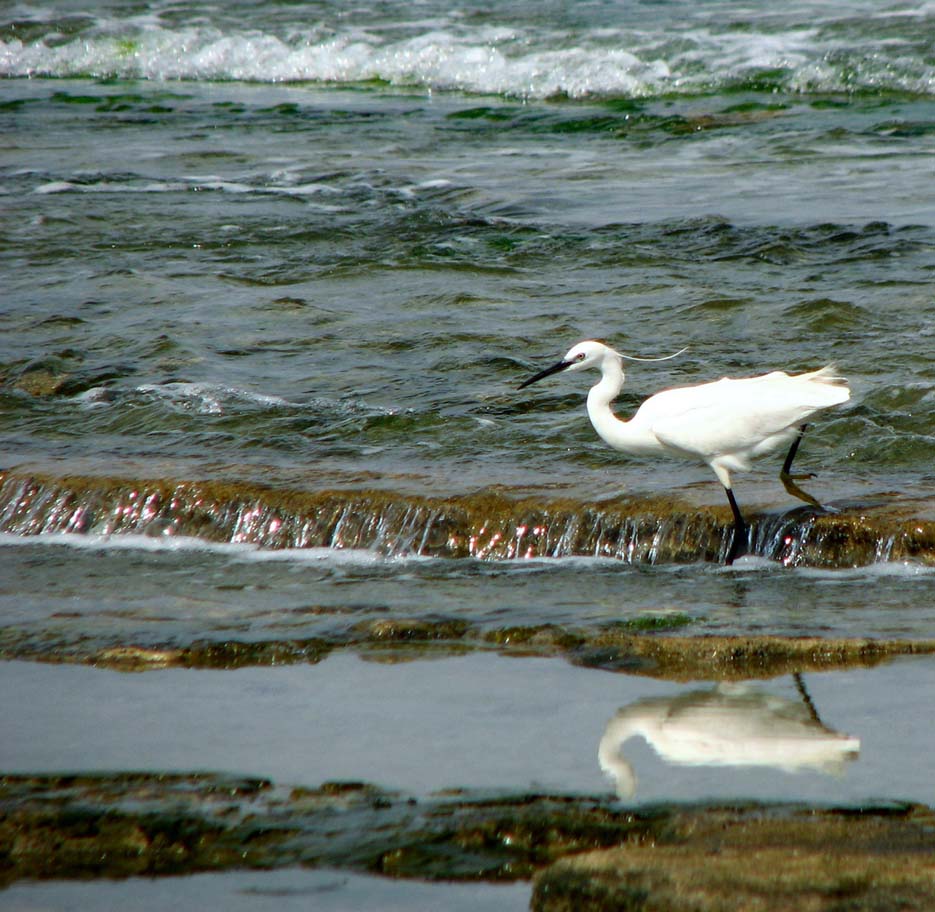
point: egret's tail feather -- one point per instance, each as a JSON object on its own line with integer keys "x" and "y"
{"x": 834, "y": 385}
{"x": 828, "y": 374}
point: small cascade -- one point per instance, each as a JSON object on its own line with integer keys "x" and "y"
{"x": 484, "y": 526}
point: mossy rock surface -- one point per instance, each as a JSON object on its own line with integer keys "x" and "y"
{"x": 768, "y": 860}
{"x": 585, "y": 852}
{"x": 485, "y": 525}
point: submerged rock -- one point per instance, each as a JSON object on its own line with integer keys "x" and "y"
{"x": 485, "y": 526}
{"x": 41, "y": 381}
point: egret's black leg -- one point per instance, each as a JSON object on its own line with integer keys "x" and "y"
{"x": 741, "y": 539}
{"x": 788, "y": 480}
{"x": 787, "y": 465}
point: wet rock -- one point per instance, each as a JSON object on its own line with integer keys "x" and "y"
{"x": 230, "y": 654}
{"x": 131, "y": 824}
{"x": 408, "y": 630}
{"x": 536, "y": 639}
{"x": 771, "y": 859}
{"x": 613, "y": 647}
{"x": 41, "y": 381}
{"x": 739, "y": 657}
{"x": 60, "y": 375}
{"x": 75, "y": 826}
{"x": 136, "y": 658}
{"x": 585, "y": 853}
{"x": 483, "y": 526}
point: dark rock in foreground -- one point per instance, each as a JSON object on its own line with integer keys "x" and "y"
{"x": 586, "y": 853}
{"x": 767, "y": 859}
{"x": 151, "y": 824}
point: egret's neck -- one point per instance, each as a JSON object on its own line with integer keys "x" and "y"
{"x": 610, "y": 384}
{"x": 621, "y": 435}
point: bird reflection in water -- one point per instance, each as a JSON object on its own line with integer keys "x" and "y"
{"x": 729, "y": 725}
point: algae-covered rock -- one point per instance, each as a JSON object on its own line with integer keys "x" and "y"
{"x": 59, "y": 375}
{"x": 41, "y": 381}
{"x": 483, "y": 526}
{"x": 585, "y": 853}
{"x": 612, "y": 647}
{"x": 127, "y": 824}
{"x": 769, "y": 859}
{"x": 721, "y": 658}
{"x": 149, "y": 823}
{"x": 409, "y": 630}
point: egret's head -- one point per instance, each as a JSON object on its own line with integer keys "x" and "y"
{"x": 579, "y": 357}
{"x": 588, "y": 354}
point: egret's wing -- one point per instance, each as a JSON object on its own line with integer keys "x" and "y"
{"x": 730, "y": 416}
{"x": 674, "y": 403}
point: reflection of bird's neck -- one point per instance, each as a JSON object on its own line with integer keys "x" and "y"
{"x": 612, "y": 762}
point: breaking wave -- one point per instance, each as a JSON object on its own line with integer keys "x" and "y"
{"x": 882, "y": 52}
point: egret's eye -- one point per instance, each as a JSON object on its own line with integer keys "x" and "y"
{"x": 579, "y": 356}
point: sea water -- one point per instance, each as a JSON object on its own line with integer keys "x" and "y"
{"x": 313, "y": 246}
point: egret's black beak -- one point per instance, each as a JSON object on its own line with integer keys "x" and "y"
{"x": 554, "y": 369}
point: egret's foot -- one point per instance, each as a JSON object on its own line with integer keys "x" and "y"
{"x": 739, "y": 545}
{"x": 804, "y": 512}
{"x": 788, "y": 482}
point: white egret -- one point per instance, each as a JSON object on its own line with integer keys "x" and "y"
{"x": 724, "y": 424}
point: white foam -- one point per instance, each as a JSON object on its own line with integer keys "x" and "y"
{"x": 876, "y": 571}
{"x": 174, "y": 544}
{"x": 105, "y": 186}
{"x": 56, "y": 187}
{"x": 525, "y": 61}
{"x": 167, "y": 542}
{"x": 750, "y": 562}
{"x": 207, "y": 398}
{"x": 883, "y": 570}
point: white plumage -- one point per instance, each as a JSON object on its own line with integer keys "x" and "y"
{"x": 725, "y": 424}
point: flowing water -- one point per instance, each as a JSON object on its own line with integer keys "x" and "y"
{"x": 271, "y": 274}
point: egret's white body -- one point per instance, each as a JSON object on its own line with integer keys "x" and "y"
{"x": 724, "y": 424}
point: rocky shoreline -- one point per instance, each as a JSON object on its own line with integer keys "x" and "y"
{"x": 583, "y": 853}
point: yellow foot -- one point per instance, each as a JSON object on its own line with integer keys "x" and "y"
{"x": 789, "y": 483}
